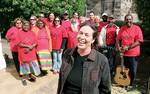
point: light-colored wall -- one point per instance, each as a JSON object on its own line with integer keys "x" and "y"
{"x": 119, "y": 10}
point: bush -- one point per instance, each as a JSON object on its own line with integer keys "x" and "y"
{"x": 10, "y": 9}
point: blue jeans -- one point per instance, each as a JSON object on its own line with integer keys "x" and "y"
{"x": 57, "y": 60}
{"x": 131, "y": 63}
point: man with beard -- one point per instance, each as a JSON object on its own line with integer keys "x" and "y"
{"x": 107, "y": 41}
{"x": 104, "y": 21}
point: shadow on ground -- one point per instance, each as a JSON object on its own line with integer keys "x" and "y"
{"x": 143, "y": 74}
{"x": 10, "y": 65}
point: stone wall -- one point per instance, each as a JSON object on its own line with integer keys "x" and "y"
{"x": 119, "y": 8}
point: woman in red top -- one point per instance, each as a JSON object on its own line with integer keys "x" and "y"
{"x": 44, "y": 47}
{"x": 11, "y": 36}
{"x": 27, "y": 53}
{"x": 59, "y": 37}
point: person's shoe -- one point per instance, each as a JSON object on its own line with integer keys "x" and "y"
{"x": 31, "y": 79}
{"x": 44, "y": 73}
{"x": 54, "y": 72}
{"x": 24, "y": 82}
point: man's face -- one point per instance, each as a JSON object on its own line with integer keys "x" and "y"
{"x": 129, "y": 20}
{"x": 92, "y": 16}
{"x": 104, "y": 18}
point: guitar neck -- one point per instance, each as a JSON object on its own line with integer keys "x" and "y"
{"x": 122, "y": 61}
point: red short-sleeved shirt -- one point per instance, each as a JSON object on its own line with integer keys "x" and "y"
{"x": 101, "y": 25}
{"x": 57, "y": 35}
{"x": 43, "y": 40}
{"x": 11, "y": 37}
{"x": 129, "y": 36}
{"x": 111, "y": 35}
{"x": 26, "y": 38}
{"x": 67, "y": 25}
{"x": 72, "y": 39}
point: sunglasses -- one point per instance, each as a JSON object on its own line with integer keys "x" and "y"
{"x": 32, "y": 19}
{"x": 19, "y": 23}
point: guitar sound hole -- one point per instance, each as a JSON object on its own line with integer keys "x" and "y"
{"x": 123, "y": 75}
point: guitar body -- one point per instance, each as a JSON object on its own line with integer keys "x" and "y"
{"x": 122, "y": 76}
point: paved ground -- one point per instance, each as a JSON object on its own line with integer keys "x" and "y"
{"x": 10, "y": 83}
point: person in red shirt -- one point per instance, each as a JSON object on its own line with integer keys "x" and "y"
{"x": 104, "y": 21}
{"x": 49, "y": 21}
{"x": 59, "y": 37}
{"x": 66, "y": 23}
{"x": 72, "y": 34}
{"x": 34, "y": 28}
{"x": 107, "y": 41}
{"x": 27, "y": 42}
{"x": 11, "y": 36}
{"x": 129, "y": 40}
{"x": 91, "y": 20}
{"x": 44, "y": 47}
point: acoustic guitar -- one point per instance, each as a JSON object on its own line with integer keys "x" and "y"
{"x": 122, "y": 74}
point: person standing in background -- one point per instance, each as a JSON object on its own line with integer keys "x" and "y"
{"x": 129, "y": 40}
{"x": 59, "y": 36}
{"x": 11, "y": 37}
{"x": 104, "y": 21}
{"x": 44, "y": 47}
{"x": 107, "y": 42}
{"x": 91, "y": 20}
{"x": 33, "y": 23}
{"x": 72, "y": 34}
{"x": 27, "y": 42}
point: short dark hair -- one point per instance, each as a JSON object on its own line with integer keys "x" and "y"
{"x": 127, "y": 16}
{"x": 92, "y": 12}
{"x": 17, "y": 19}
{"x": 95, "y": 33}
{"x": 93, "y": 26}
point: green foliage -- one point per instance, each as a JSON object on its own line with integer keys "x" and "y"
{"x": 11, "y": 9}
{"x": 143, "y": 7}
{"x": 119, "y": 23}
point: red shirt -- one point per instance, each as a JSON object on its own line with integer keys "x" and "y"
{"x": 72, "y": 39}
{"x": 57, "y": 35}
{"x": 127, "y": 36}
{"x": 101, "y": 25}
{"x": 26, "y": 38}
{"x": 43, "y": 40}
{"x": 110, "y": 35}
{"x": 35, "y": 30}
{"x": 11, "y": 37}
{"x": 67, "y": 25}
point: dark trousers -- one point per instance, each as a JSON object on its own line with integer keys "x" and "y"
{"x": 111, "y": 59}
{"x": 110, "y": 53}
{"x": 131, "y": 63}
{"x": 16, "y": 61}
